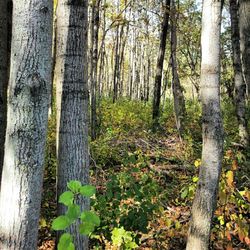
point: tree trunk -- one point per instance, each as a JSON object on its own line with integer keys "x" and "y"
{"x": 94, "y": 62}
{"x": 28, "y": 101}
{"x": 179, "y": 101}
{"x": 159, "y": 67}
{"x": 239, "y": 85}
{"x": 116, "y": 66}
{"x": 3, "y": 77}
{"x": 206, "y": 194}
{"x": 72, "y": 102}
{"x": 244, "y": 24}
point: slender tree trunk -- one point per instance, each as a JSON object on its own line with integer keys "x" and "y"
{"x": 159, "y": 67}
{"x": 244, "y": 24}
{"x": 28, "y": 101}
{"x": 72, "y": 102}
{"x": 3, "y": 77}
{"x": 206, "y": 194}
{"x": 239, "y": 85}
{"x": 94, "y": 63}
{"x": 116, "y": 66}
{"x": 101, "y": 76}
{"x": 179, "y": 101}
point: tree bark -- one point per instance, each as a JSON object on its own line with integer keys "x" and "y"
{"x": 72, "y": 102}
{"x": 179, "y": 101}
{"x": 212, "y": 131}
{"x": 159, "y": 67}
{"x": 244, "y": 24}
{"x": 239, "y": 84}
{"x": 28, "y": 101}
{"x": 3, "y": 77}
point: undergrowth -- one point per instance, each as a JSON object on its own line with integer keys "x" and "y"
{"x": 146, "y": 181}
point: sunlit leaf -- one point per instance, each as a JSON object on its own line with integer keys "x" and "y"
{"x": 74, "y": 186}
{"x": 230, "y": 178}
{"x": 66, "y": 198}
{"x": 87, "y": 190}
{"x": 61, "y": 222}
{"x": 184, "y": 193}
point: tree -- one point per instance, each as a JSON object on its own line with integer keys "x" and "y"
{"x": 72, "y": 101}
{"x": 239, "y": 84}
{"x": 3, "y": 78}
{"x": 28, "y": 101}
{"x": 94, "y": 61}
{"x": 212, "y": 131}
{"x": 244, "y": 24}
{"x": 159, "y": 67}
{"x": 179, "y": 101}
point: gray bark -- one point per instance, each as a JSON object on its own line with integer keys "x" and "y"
{"x": 28, "y": 101}
{"x": 179, "y": 101}
{"x": 72, "y": 102}
{"x": 239, "y": 85}
{"x": 3, "y": 78}
{"x": 212, "y": 131}
{"x": 244, "y": 24}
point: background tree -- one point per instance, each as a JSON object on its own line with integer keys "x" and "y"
{"x": 239, "y": 84}
{"x": 94, "y": 62}
{"x": 159, "y": 67}
{"x": 72, "y": 101}
{"x": 179, "y": 101}
{"x": 212, "y": 131}
{"x": 28, "y": 101}
{"x": 244, "y": 24}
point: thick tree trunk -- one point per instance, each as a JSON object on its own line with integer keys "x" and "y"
{"x": 3, "y": 78}
{"x": 244, "y": 24}
{"x": 239, "y": 85}
{"x": 159, "y": 66}
{"x": 28, "y": 101}
{"x": 72, "y": 102}
{"x": 206, "y": 194}
{"x": 94, "y": 63}
{"x": 179, "y": 101}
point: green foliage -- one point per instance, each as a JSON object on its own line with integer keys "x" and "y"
{"x": 123, "y": 239}
{"x": 130, "y": 199}
{"x": 89, "y": 220}
{"x": 66, "y": 242}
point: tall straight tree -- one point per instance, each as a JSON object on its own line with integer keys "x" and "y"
{"x": 179, "y": 101}
{"x": 3, "y": 78}
{"x": 94, "y": 61}
{"x": 244, "y": 24}
{"x": 72, "y": 101}
{"x": 212, "y": 130}
{"x": 239, "y": 84}
{"x": 28, "y": 101}
{"x": 159, "y": 66}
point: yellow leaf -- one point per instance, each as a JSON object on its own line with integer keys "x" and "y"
{"x": 247, "y": 240}
{"x": 230, "y": 178}
{"x": 197, "y": 163}
{"x": 234, "y": 165}
{"x": 168, "y": 222}
{"x": 42, "y": 222}
{"x": 177, "y": 225}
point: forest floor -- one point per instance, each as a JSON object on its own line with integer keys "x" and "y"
{"x": 146, "y": 181}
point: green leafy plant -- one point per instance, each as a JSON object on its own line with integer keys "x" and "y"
{"x": 123, "y": 239}
{"x": 89, "y": 220}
